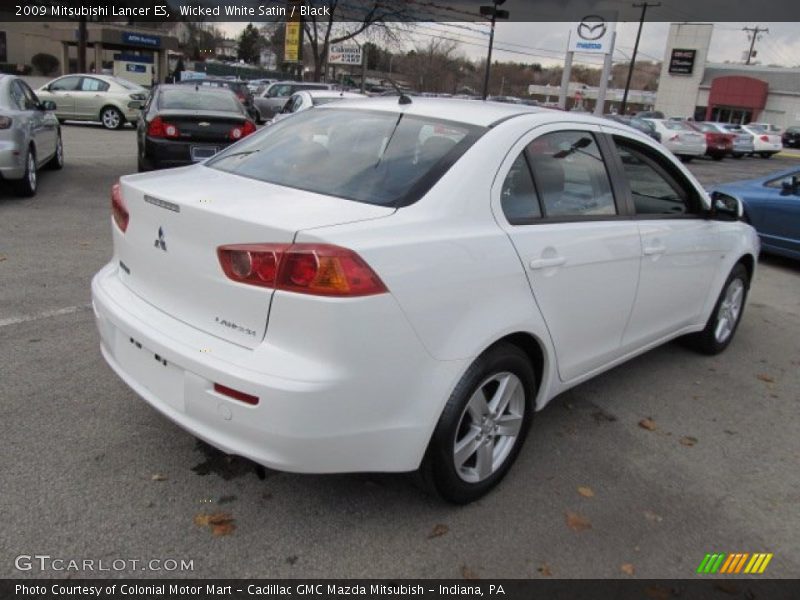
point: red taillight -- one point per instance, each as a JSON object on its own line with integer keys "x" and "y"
{"x": 764, "y": 138}
{"x": 159, "y": 128}
{"x": 236, "y": 394}
{"x": 316, "y": 269}
{"x": 242, "y": 98}
{"x": 118, "y": 209}
{"x": 241, "y": 131}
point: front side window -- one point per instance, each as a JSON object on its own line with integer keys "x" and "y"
{"x": 570, "y": 175}
{"x": 17, "y": 95}
{"x": 655, "y": 191}
{"x": 792, "y": 180}
{"x": 381, "y": 158}
{"x": 65, "y": 84}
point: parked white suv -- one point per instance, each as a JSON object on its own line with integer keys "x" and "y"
{"x": 384, "y": 286}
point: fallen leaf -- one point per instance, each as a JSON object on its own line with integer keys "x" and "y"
{"x": 688, "y": 440}
{"x": 220, "y": 523}
{"x": 651, "y": 516}
{"x": 468, "y": 573}
{"x": 648, "y": 424}
{"x": 291, "y": 559}
{"x": 159, "y": 477}
{"x": 438, "y": 531}
{"x": 766, "y": 378}
{"x": 586, "y": 491}
{"x": 84, "y": 244}
{"x": 2, "y": 258}
{"x": 545, "y": 570}
{"x": 577, "y": 522}
{"x": 627, "y": 568}
{"x": 220, "y": 529}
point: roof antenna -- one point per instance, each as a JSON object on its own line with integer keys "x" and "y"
{"x": 403, "y": 98}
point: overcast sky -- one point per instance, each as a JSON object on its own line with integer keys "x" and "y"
{"x": 546, "y": 42}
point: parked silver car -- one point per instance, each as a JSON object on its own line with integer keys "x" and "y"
{"x": 274, "y": 97}
{"x": 30, "y": 136}
{"x": 111, "y": 100}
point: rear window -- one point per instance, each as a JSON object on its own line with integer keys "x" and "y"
{"x": 197, "y": 100}
{"x": 374, "y": 157}
{"x": 127, "y": 84}
{"x": 676, "y": 126}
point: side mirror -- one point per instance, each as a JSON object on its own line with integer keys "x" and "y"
{"x": 790, "y": 188}
{"x": 725, "y": 207}
{"x": 48, "y": 105}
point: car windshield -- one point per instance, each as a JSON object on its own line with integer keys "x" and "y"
{"x": 374, "y": 157}
{"x": 321, "y": 101}
{"x": 197, "y": 100}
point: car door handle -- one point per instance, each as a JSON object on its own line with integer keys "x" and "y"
{"x": 547, "y": 263}
{"x": 654, "y": 250}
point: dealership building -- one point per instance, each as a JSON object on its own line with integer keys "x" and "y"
{"x": 690, "y": 86}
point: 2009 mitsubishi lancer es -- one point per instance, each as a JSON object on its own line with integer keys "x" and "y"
{"x": 377, "y": 285}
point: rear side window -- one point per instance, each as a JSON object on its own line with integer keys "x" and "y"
{"x": 570, "y": 175}
{"x": 374, "y": 157}
{"x": 655, "y": 186}
{"x": 518, "y": 196}
{"x": 89, "y": 84}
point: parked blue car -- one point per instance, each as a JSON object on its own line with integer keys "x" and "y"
{"x": 772, "y": 206}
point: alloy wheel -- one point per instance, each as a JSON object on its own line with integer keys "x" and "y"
{"x": 489, "y": 427}
{"x": 729, "y": 311}
{"x": 111, "y": 118}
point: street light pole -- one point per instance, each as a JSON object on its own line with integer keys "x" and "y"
{"x": 495, "y": 14}
{"x": 644, "y": 6}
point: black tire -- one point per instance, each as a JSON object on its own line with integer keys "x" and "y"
{"x": 717, "y": 157}
{"x": 707, "y": 341}
{"x": 766, "y": 154}
{"x": 686, "y": 159}
{"x": 27, "y": 186}
{"x": 112, "y": 118}
{"x": 57, "y": 162}
{"x": 143, "y": 164}
{"x": 439, "y": 471}
{"x": 737, "y": 155}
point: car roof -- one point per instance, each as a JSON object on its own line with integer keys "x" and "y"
{"x": 330, "y": 94}
{"x": 198, "y": 88}
{"x": 471, "y": 112}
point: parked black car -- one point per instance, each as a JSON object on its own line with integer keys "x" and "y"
{"x": 645, "y": 127}
{"x": 791, "y": 137}
{"x": 237, "y": 87}
{"x": 181, "y": 125}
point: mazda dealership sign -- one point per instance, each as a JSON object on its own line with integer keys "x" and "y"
{"x": 594, "y": 35}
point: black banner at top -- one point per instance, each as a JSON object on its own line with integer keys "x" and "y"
{"x": 395, "y": 10}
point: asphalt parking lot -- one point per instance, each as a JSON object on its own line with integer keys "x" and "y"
{"x": 92, "y": 472}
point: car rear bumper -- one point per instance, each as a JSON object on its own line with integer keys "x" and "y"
{"x": 12, "y": 160}
{"x": 171, "y": 153}
{"x": 316, "y": 414}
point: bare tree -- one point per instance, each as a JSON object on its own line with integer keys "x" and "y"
{"x": 346, "y": 21}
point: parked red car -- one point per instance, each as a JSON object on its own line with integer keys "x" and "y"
{"x": 718, "y": 145}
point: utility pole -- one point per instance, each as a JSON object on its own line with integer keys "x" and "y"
{"x": 82, "y": 35}
{"x": 495, "y": 14}
{"x": 644, "y": 6}
{"x": 753, "y": 34}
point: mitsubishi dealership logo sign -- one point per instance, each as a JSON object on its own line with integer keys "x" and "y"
{"x": 594, "y": 34}
{"x": 592, "y": 28}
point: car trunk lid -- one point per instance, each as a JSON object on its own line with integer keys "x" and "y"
{"x": 178, "y": 219}
{"x": 203, "y": 126}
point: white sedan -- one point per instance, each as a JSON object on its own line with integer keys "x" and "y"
{"x": 308, "y": 99}
{"x": 384, "y": 285}
{"x": 765, "y": 142}
{"x": 680, "y": 139}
